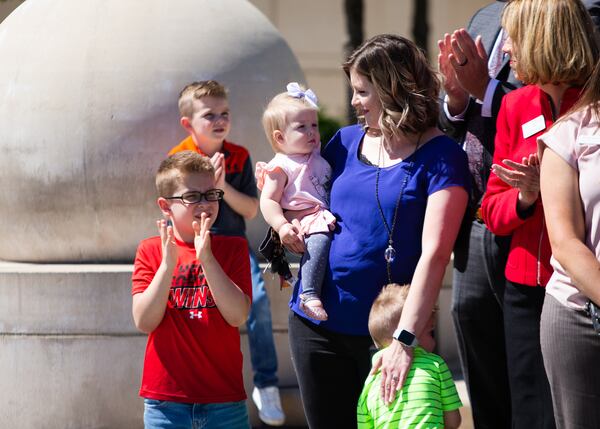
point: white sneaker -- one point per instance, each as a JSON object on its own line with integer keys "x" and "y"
{"x": 268, "y": 402}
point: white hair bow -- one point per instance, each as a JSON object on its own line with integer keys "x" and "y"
{"x": 294, "y": 90}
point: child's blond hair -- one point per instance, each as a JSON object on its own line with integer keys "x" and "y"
{"x": 172, "y": 170}
{"x": 274, "y": 116}
{"x": 197, "y": 90}
{"x": 385, "y": 313}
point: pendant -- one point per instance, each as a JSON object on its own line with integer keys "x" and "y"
{"x": 390, "y": 254}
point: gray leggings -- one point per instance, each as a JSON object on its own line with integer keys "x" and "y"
{"x": 314, "y": 263}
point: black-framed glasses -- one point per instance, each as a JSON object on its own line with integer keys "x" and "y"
{"x": 194, "y": 197}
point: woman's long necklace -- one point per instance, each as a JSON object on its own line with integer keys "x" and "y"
{"x": 390, "y": 252}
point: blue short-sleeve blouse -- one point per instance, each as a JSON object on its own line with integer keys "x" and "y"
{"x": 357, "y": 269}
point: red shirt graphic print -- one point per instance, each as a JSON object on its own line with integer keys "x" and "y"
{"x": 194, "y": 355}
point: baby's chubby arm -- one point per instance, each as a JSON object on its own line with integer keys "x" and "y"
{"x": 270, "y": 207}
{"x": 149, "y": 306}
{"x": 232, "y": 302}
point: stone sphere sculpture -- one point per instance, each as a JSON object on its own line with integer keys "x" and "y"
{"x": 88, "y": 109}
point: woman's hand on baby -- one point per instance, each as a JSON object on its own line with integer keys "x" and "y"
{"x": 291, "y": 236}
{"x": 293, "y": 217}
{"x": 394, "y": 363}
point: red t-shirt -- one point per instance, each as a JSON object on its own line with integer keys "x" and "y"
{"x": 194, "y": 355}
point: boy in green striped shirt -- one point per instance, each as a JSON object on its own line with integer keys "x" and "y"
{"x": 428, "y": 398}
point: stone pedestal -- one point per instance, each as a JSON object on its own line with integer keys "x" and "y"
{"x": 89, "y": 95}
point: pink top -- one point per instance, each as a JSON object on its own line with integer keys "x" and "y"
{"x": 308, "y": 181}
{"x": 576, "y": 139}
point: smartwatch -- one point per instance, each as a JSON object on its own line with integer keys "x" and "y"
{"x": 405, "y": 337}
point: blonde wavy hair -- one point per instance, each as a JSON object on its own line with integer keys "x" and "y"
{"x": 554, "y": 40}
{"x": 404, "y": 82}
{"x": 275, "y": 114}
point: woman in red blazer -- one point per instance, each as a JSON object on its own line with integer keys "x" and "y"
{"x": 552, "y": 49}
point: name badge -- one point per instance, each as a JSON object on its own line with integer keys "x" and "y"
{"x": 588, "y": 140}
{"x": 534, "y": 126}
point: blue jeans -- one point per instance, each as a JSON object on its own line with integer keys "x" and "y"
{"x": 179, "y": 415}
{"x": 260, "y": 331}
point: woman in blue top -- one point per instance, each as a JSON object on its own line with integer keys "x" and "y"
{"x": 399, "y": 192}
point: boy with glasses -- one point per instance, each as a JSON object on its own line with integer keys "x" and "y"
{"x": 428, "y": 397}
{"x": 204, "y": 111}
{"x": 191, "y": 292}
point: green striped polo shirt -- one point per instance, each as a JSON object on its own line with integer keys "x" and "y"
{"x": 427, "y": 392}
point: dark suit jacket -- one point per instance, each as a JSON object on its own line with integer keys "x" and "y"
{"x": 487, "y": 23}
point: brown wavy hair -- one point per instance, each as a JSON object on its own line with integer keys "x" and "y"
{"x": 405, "y": 83}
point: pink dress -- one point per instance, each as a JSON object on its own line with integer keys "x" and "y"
{"x": 308, "y": 181}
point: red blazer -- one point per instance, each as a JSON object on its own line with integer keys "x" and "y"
{"x": 529, "y": 256}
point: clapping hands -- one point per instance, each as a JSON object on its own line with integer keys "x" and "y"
{"x": 464, "y": 64}
{"x": 218, "y": 162}
{"x": 525, "y": 176}
{"x": 458, "y": 97}
{"x": 202, "y": 238}
{"x": 170, "y": 251}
